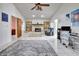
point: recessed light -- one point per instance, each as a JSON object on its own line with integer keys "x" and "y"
{"x": 33, "y": 16}
{"x": 42, "y": 15}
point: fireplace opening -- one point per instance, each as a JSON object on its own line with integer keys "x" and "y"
{"x": 37, "y": 29}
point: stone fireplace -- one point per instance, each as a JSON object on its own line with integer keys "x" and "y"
{"x": 37, "y": 29}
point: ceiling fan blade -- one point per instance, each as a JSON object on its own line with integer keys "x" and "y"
{"x": 33, "y": 7}
{"x": 44, "y": 5}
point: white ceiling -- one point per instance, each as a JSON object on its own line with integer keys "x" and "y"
{"x": 47, "y": 12}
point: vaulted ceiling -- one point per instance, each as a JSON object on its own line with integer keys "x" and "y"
{"x": 47, "y": 12}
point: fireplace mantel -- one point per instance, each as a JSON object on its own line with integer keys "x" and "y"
{"x": 37, "y": 24}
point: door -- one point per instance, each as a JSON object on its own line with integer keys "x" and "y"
{"x": 19, "y": 27}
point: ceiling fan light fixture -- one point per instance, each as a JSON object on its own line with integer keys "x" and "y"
{"x": 38, "y": 6}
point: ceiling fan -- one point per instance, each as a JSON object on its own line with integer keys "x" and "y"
{"x": 38, "y": 6}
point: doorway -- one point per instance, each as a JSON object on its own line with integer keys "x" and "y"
{"x": 16, "y": 27}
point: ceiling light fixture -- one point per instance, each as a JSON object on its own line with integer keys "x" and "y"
{"x": 42, "y": 16}
{"x": 33, "y": 16}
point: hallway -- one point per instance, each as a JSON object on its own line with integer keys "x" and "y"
{"x": 26, "y": 30}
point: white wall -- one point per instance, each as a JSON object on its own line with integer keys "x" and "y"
{"x": 61, "y": 15}
{"x": 5, "y": 30}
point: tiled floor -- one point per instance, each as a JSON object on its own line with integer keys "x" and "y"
{"x": 34, "y": 34}
{"x": 61, "y": 50}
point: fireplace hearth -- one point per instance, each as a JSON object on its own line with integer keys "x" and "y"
{"x": 37, "y": 29}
